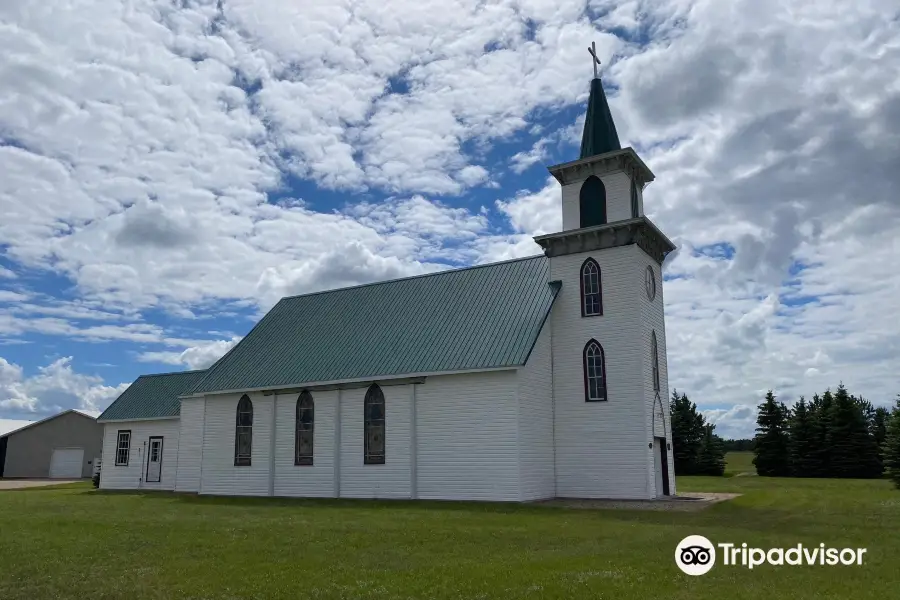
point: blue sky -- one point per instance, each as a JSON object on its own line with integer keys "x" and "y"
{"x": 170, "y": 171}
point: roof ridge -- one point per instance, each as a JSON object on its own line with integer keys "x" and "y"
{"x": 172, "y": 373}
{"x": 420, "y": 276}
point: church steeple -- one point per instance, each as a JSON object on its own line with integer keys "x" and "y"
{"x": 599, "y": 134}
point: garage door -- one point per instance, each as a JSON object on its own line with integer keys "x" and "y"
{"x": 66, "y": 463}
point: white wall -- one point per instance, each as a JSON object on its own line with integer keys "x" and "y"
{"x": 190, "y": 446}
{"x": 653, "y": 319}
{"x": 601, "y": 447}
{"x": 535, "y": 390}
{"x": 467, "y": 431}
{"x": 219, "y": 475}
{"x": 132, "y": 476}
{"x": 618, "y": 199}
{"x": 392, "y": 479}
{"x": 316, "y": 480}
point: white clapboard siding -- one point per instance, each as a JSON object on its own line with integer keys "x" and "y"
{"x": 653, "y": 319}
{"x": 601, "y": 447}
{"x": 316, "y": 480}
{"x": 392, "y": 479}
{"x": 467, "y": 445}
{"x": 190, "y": 447}
{"x": 133, "y": 475}
{"x": 535, "y": 386}
{"x": 618, "y": 199}
{"x": 219, "y": 474}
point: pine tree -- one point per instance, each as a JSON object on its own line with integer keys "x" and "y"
{"x": 803, "y": 447}
{"x": 711, "y": 460}
{"x": 879, "y": 427}
{"x": 772, "y": 439}
{"x": 853, "y": 449}
{"x": 687, "y": 434}
{"x": 821, "y": 418}
{"x": 891, "y": 447}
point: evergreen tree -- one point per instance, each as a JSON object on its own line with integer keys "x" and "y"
{"x": 820, "y": 415}
{"x": 803, "y": 447}
{"x": 853, "y": 449}
{"x": 891, "y": 447}
{"x": 711, "y": 460}
{"x": 772, "y": 439}
{"x": 879, "y": 425}
{"x": 687, "y": 434}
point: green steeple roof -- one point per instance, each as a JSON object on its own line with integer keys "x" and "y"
{"x": 599, "y": 134}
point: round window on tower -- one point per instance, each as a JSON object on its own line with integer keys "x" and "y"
{"x": 650, "y": 283}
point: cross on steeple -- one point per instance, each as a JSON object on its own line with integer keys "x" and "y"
{"x": 596, "y": 61}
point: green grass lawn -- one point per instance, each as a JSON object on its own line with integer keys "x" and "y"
{"x": 739, "y": 462}
{"x": 74, "y": 542}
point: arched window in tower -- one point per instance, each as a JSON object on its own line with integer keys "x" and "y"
{"x": 594, "y": 372}
{"x": 243, "y": 432}
{"x": 635, "y": 210}
{"x": 592, "y": 202}
{"x": 591, "y": 290}
{"x": 374, "y": 425}
{"x": 305, "y": 424}
{"x": 654, "y": 357}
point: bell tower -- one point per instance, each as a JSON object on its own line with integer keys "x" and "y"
{"x": 610, "y": 383}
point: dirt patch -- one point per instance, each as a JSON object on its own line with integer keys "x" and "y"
{"x": 688, "y": 502}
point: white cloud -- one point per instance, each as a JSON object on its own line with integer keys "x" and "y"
{"x": 535, "y": 213}
{"x": 56, "y": 387}
{"x": 200, "y": 356}
{"x": 140, "y": 146}
{"x": 8, "y": 296}
{"x": 7, "y": 425}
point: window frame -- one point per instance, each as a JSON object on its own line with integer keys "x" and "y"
{"x": 119, "y": 447}
{"x": 604, "y": 397}
{"x": 654, "y": 357}
{"x": 374, "y": 394}
{"x": 584, "y": 295}
{"x": 305, "y": 460}
{"x": 241, "y": 460}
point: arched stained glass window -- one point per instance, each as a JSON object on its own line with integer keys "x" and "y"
{"x": 374, "y": 425}
{"x": 591, "y": 290}
{"x": 305, "y": 417}
{"x": 243, "y": 432}
{"x": 654, "y": 357}
{"x": 594, "y": 372}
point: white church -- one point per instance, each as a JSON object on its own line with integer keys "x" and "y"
{"x": 522, "y": 380}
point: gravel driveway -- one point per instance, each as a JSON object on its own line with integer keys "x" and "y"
{"x": 18, "y": 484}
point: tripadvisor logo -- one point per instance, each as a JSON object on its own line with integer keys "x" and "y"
{"x": 696, "y": 555}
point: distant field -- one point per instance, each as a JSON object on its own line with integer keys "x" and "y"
{"x": 739, "y": 462}
{"x": 75, "y": 542}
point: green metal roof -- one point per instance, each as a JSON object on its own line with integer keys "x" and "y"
{"x": 152, "y": 396}
{"x": 479, "y": 317}
{"x": 599, "y": 136}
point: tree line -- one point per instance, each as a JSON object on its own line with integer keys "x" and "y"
{"x": 834, "y": 435}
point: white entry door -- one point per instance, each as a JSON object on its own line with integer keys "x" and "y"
{"x": 65, "y": 463}
{"x": 154, "y": 460}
